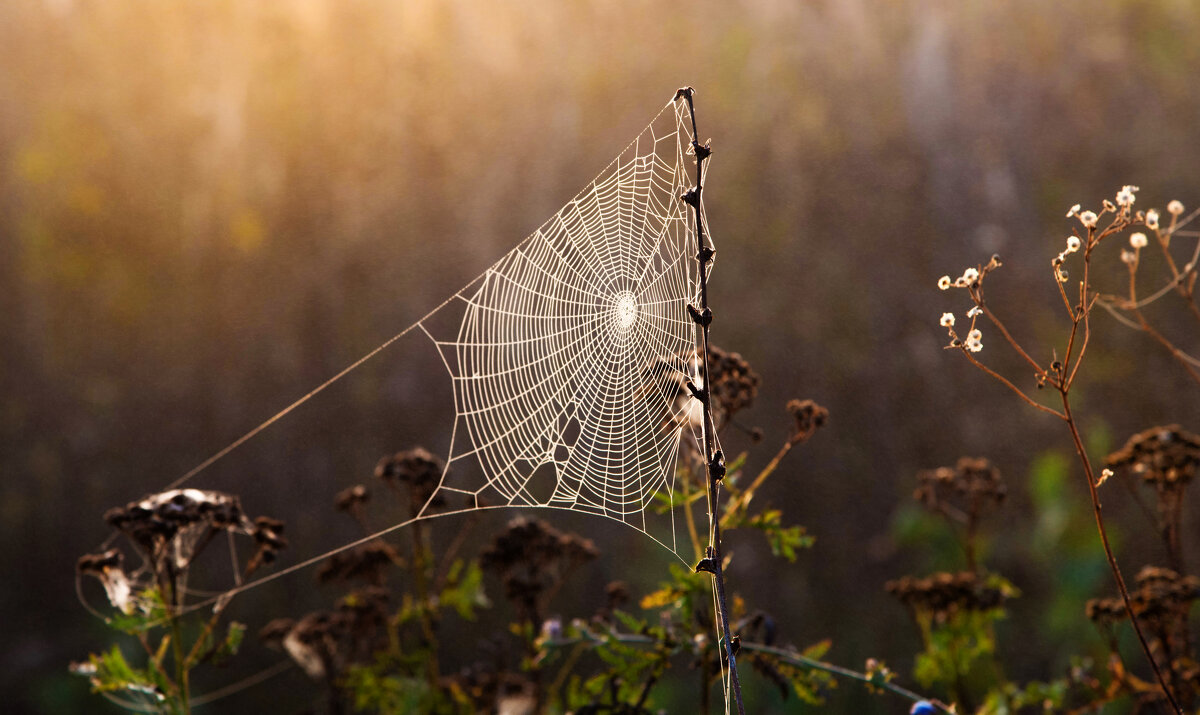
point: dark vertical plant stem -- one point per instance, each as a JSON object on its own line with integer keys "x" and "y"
{"x": 716, "y": 464}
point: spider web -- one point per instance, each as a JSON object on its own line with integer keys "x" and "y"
{"x": 568, "y": 359}
{"x": 568, "y": 356}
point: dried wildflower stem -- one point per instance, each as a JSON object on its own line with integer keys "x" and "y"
{"x": 1061, "y": 376}
{"x": 991, "y": 315}
{"x": 703, "y": 318}
{"x": 742, "y": 500}
{"x": 1064, "y": 389}
{"x": 1108, "y": 553}
{"x": 1008, "y": 383}
{"x": 690, "y": 519}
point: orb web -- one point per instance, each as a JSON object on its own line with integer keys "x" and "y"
{"x": 569, "y": 355}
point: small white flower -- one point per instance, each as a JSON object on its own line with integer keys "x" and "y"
{"x": 1072, "y": 244}
{"x": 1138, "y": 240}
{"x": 1152, "y": 219}
{"x": 1108, "y": 206}
{"x": 1104, "y": 475}
{"x": 1088, "y": 218}
{"x": 970, "y": 275}
{"x": 975, "y": 310}
{"x": 1175, "y": 208}
{"x": 974, "y": 345}
{"x": 1125, "y": 196}
{"x": 975, "y": 335}
{"x": 1128, "y": 257}
{"x": 944, "y": 282}
{"x": 1074, "y": 210}
{"x": 947, "y": 320}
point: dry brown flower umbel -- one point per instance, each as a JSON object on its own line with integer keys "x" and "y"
{"x": 944, "y": 594}
{"x": 1159, "y": 455}
{"x": 418, "y": 470}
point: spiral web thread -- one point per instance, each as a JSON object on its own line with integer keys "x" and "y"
{"x": 569, "y": 359}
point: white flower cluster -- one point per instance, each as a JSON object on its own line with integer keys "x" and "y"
{"x": 974, "y": 341}
{"x": 969, "y": 276}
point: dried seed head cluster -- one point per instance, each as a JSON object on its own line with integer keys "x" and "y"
{"x": 325, "y": 643}
{"x": 171, "y": 529}
{"x": 944, "y": 594}
{"x": 532, "y": 559}
{"x": 157, "y": 520}
{"x": 969, "y": 489}
{"x": 1160, "y": 595}
{"x": 175, "y": 525}
{"x": 734, "y": 383}
{"x": 352, "y": 498}
{"x": 416, "y": 471}
{"x": 807, "y": 418}
{"x": 1159, "y": 455}
{"x": 368, "y": 562}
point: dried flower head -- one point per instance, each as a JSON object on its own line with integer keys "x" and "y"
{"x": 1128, "y": 257}
{"x": 1175, "y": 208}
{"x": 947, "y": 320}
{"x": 1074, "y": 210}
{"x": 1137, "y": 240}
{"x": 352, "y": 498}
{"x": 420, "y": 473}
{"x": 1088, "y": 218}
{"x": 1160, "y": 596}
{"x": 944, "y": 594}
{"x": 368, "y": 563}
{"x": 1152, "y": 219}
{"x": 969, "y": 489}
{"x": 807, "y": 418}
{"x": 173, "y": 524}
{"x": 944, "y": 283}
{"x": 1125, "y": 197}
{"x": 734, "y": 383}
{"x": 974, "y": 311}
{"x": 1073, "y": 244}
{"x": 970, "y": 275}
{"x": 1159, "y": 455}
{"x": 532, "y": 559}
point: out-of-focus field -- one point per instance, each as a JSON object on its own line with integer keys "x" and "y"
{"x": 207, "y": 208}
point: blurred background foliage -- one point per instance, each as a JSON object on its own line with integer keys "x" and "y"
{"x": 207, "y": 208}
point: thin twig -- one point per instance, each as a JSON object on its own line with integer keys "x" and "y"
{"x": 1004, "y": 380}
{"x": 703, "y": 318}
